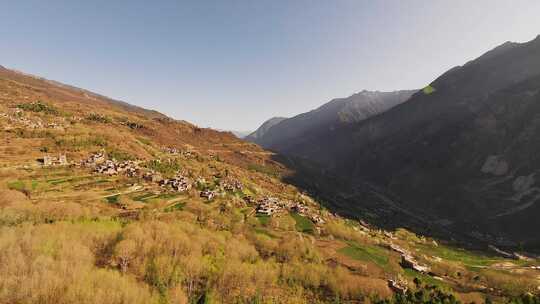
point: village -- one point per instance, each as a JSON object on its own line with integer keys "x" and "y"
{"x": 269, "y": 206}
{"x": 263, "y": 205}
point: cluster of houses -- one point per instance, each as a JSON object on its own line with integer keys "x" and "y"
{"x": 176, "y": 151}
{"x": 231, "y": 185}
{"x": 93, "y": 160}
{"x": 179, "y": 183}
{"x": 111, "y": 167}
{"x": 152, "y": 176}
{"x": 102, "y": 165}
{"x": 408, "y": 261}
{"x": 271, "y": 205}
{"x": 170, "y": 150}
{"x": 226, "y": 185}
{"x": 49, "y": 161}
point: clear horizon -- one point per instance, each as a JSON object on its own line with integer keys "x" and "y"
{"x": 231, "y": 65}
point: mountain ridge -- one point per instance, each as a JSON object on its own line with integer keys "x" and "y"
{"x": 262, "y": 129}
{"x": 330, "y": 116}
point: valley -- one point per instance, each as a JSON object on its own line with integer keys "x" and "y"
{"x": 111, "y": 203}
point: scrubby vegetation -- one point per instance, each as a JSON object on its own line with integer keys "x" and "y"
{"x": 38, "y": 107}
{"x": 95, "y": 117}
{"x": 423, "y": 294}
{"x": 167, "y": 167}
{"x": 119, "y": 155}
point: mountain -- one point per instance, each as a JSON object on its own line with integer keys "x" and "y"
{"x": 111, "y": 203}
{"x": 241, "y": 134}
{"x": 261, "y": 131}
{"x": 462, "y": 150}
{"x": 305, "y": 128}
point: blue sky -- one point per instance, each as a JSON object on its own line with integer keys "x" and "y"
{"x": 232, "y": 64}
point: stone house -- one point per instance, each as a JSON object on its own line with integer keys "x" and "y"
{"x": 49, "y": 161}
{"x": 208, "y": 194}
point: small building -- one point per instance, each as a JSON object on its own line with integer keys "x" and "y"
{"x": 49, "y": 161}
{"x": 268, "y": 206}
{"x": 208, "y": 194}
{"x": 397, "y": 287}
{"x": 407, "y": 261}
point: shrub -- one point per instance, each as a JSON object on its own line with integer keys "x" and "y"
{"x": 424, "y": 294}
{"x": 98, "y": 118}
{"x": 76, "y": 143}
{"x": 38, "y": 107}
{"x": 167, "y": 167}
{"x": 264, "y": 170}
{"x": 119, "y": 155}
{"x": 56, "y": 264}
{"x": 303, "y": 224}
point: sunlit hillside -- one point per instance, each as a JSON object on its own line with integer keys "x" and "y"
{"x": 104, "y": 202}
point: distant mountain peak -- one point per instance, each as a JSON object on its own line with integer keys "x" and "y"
{"x": 329, "y": 116}
{"x": 261, "y": 131}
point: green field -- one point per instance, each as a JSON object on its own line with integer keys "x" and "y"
{"x": 167, "y": 196}
{"x": 412, "y": 274}
{"x": 264, "y": 232}
{"x": 16, "y": 185}
{"x": 263, "y": 219}
{"x": 59, "y": 181}
{"x": 303, "y": 224}
{"x": 144, "y": 197}
{"x": 468, "y": 258}
{"x": 112, "y": 199}
{"x": 176, "y": 207}
{"x": 366, "y": 253}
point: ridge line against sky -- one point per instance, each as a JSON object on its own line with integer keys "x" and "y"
{"x": 234, "y": 64}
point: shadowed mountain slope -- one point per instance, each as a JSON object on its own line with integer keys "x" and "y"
{"x": 265, "y": 127}
{"x": 463, "y": 149}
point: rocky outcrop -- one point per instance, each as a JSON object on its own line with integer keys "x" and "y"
{"x": 495, "y": 165}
